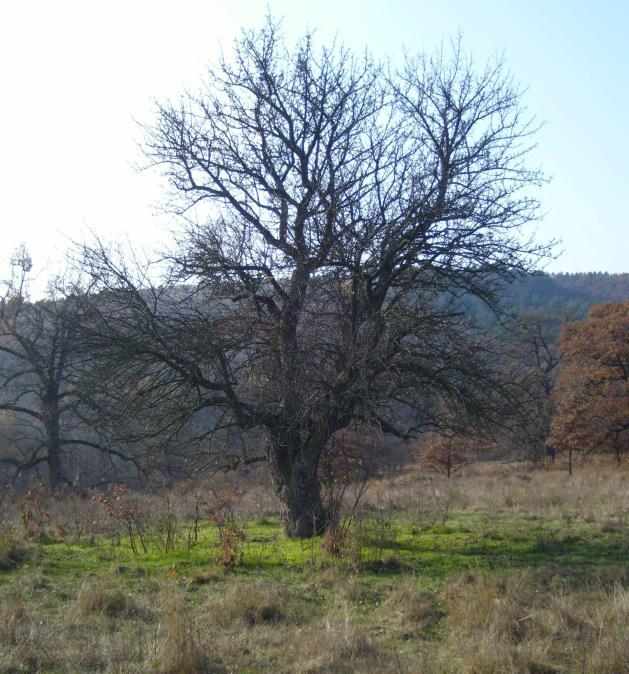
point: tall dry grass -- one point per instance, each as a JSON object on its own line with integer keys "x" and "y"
{"x": 597, "y": 492}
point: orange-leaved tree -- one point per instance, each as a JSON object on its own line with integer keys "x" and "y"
{"x": 448, "y": 454}
{"x": 592, "y": 391}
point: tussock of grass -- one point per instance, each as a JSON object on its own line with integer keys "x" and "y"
{"x": 11, "y": 553}
{"x": 336, "y": 648}
{"x": 181, "y": 652}
{"x": 203, "y": 577}
{"x": 23, "y": 646}
{"x": 528, "y": 623}
{"x": 416, "y": 612}
{"x": 108, "y": 600}
{"x": 15, "y": 621}
{"x": 258, "y": 603}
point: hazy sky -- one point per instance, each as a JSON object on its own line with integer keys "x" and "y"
{"x": 76, "y": 77}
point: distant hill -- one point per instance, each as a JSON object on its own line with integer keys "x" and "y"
{"x": 572, "y": 294}
{"x": 562, "y": 296}
{"x": 599, "y": 285}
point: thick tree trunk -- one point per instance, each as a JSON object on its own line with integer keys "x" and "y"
{"x": 53, "y": 447}
{"x": 55, "y": 473}
{"x": 298, "y": 492}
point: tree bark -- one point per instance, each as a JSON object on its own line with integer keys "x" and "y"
{"x": 298, "y": 491}
{"x": 53, "y": 447}
{"x": 55, "y": 474}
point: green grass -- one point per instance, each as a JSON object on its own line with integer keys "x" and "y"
{"x": 467, "y": 541}
{"x": 430, "y": 596}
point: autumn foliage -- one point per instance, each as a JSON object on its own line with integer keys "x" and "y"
{"x": 592, "y": 391}
{"x": 447, "y": 454}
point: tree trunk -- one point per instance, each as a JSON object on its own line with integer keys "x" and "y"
{"x": 298, "y": 492}
{"x": 55, "y": 474}
{"x": 53, "y": 447}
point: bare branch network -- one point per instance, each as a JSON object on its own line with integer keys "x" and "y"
{"x": 336, "y": 213}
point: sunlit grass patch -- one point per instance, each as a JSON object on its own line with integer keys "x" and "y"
{"x": 467, "y": 541}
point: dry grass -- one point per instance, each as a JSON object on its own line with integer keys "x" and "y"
{"x": 528, "y": 622}
{"x": 248, "y": 603}
{"x": 337, "y": 646}
{"x": 416, "y": 612}
{"x": 339, "y": 618}
{"x": 181, "y": 652}
{"x": 538, "y": 622}
{"x": 11, "y": 552}
{"x": 109, "y": 600}
{"x": 597, "y": 492}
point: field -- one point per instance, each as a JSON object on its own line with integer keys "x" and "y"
{"x": 502, "y": 569}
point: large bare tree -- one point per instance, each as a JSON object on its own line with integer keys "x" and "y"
{"x": 335, "y": 214}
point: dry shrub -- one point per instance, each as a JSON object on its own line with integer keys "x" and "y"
{"x": 108, "y": 600}
{"x": 334, "y": 541}
{"x": 231, "y": 545}
{"x": 376, "y": 527}
{"x": 351, "y": 544}
{"x": 232, "y": 530}
{"x": 258, "y": 603}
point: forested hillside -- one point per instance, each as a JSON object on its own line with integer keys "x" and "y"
{"x": 560, "y": 296}
{"x": 571, "y": 293}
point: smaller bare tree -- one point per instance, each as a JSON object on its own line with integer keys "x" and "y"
{"x": 45, "y": 404}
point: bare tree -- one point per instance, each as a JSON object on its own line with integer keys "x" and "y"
{"x": 537, "y": 348}
{"x": 49, "y": 415}
{"x": 335, "y": 213}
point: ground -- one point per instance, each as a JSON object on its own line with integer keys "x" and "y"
{"x": 503, "y": 569}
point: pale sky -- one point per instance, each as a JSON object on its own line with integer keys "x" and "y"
{"x": 77, "y": 76}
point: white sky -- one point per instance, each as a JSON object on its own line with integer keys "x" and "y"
{"x": 75, "y": 77}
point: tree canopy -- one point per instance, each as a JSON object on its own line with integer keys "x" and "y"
{"x": 592, "y": 391}
{"x": 336, "y": 211}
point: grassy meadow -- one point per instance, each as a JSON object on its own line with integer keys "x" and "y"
{"x": 504, "y": 568}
